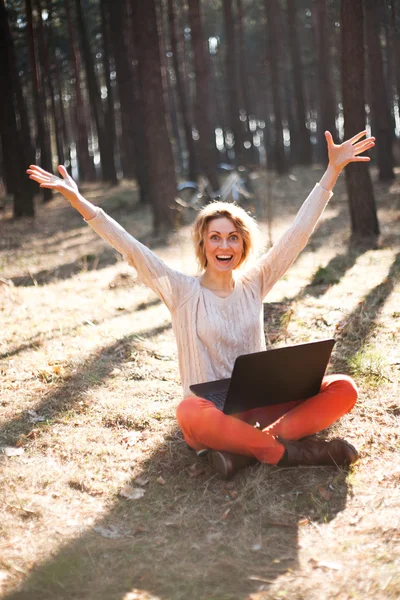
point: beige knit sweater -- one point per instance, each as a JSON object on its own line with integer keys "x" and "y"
{"x": 211, "y": 331}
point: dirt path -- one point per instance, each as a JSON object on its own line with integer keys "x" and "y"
{"x": 100, "y": 497}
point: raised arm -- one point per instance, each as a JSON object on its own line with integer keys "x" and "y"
{"x": 65, "y": 186}
{"x": 272, "y": 265}
{"x": 171, "y": 286}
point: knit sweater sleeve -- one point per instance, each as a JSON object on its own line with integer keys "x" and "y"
{"x": 171, "y": 286}
{"x": 272, "y": 265}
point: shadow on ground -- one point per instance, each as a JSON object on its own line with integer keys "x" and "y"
{"x": 68, "y": 395}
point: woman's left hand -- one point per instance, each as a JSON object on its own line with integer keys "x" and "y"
{"x": 341, "y": 155}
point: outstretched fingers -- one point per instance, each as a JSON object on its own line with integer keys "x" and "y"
{"x": 358, "y": 136}
{"x": 363, "y": 146}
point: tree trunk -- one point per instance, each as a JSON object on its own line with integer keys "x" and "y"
{"x": 327, "y": 101}
{"x": 85, "y": 163}
{"x": 180, "y": 89}
{"x": 12, "y": 144}
{"x": 231, "y": 77}
{"x": 301, "y": 136}
{"x": 106, "y": 158}
{"x": 161, "y": 164}
{"x": 43, "y": 140}
{"x": 110, "y": 173}
{"x": 274, "y": 60}
{"x": 396, "y": 48}
{"x": 207, "y": 152}
{"x": 378, "y": 91}
{"x": 364, "y": 222}
{"x": 244, "y": 82}
{"x": 47, "y": 77}
{"x": 134, "y": 150}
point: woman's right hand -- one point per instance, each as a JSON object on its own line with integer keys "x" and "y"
{"x": 66, "y": 186}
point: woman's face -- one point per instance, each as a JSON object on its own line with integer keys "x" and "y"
{"x": 223, "y": 245}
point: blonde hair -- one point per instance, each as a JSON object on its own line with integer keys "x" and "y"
{"x": 243, "y": 222}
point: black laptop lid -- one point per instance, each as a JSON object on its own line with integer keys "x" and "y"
{"x": 278, "y": 375}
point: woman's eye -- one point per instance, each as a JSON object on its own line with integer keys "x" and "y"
{"x": 214, "y": 237}
{"x": 234, "y": 238}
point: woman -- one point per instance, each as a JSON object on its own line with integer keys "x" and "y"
{"x": 218, "y": 316}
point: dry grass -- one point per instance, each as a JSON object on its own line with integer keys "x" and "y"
{"x": 89, "y": 387}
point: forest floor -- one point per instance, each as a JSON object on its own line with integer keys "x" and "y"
{"x": 100, "y": 497}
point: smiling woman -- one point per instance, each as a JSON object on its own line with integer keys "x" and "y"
{"x": 217, "y": 316}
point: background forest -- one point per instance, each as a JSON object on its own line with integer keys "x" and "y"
{"x": 100, "y": 497}
{"x": 163, "y": 90}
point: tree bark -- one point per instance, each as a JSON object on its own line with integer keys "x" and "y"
{"x": 207, "y": 152}
{"x": 364, "y": 222}
{"x": 301, "y": 137}
{"x": 85, "y": 163}
{"x": 47, "y": 77}
{"x": 327, "y": 101}
{"x": 244, "y": 82}
{"x": 161, "y": 164}
{"x": 378, "y": 90}
{"x": 106, "y": 157}
{"x": 180, "y": 89}
{"x": 231, "y": 75}
{"x": 109, "y": 113}
{"x": 274, "y": 60}
{"x": 43, "y": 140}
{"x": 13, "y": 145}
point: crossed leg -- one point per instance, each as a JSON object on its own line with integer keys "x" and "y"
{"x": 204, "y": 426}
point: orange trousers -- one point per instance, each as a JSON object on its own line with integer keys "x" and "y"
{"x": 204, "y": 426}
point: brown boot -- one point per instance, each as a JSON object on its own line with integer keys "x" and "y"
{"x": 310, "y": 451}
{"x": 226, "y": 464}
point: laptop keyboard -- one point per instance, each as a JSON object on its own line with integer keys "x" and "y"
{"x": 218, "y": 398}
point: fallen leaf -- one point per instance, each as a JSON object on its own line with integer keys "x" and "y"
{"x": 139, "y": 529}
{"x": 172, "y": 524}
{"x": 34, "y": 417}
{"x": 161, "y": 480}
{"x": 303, "y": 522}
{"x": 130, "y": 438}
{"x": 11, "y": 451}
{"x": 196, "y": 470}
{"x": 233, "y": 494}
{"x": 324, "y": 493}
{"x": 262, "y": 579}
{"x": 280, "y": 524}
{"x": 132, "y": 493}
{"x": 115, "y": 372}
{"x": 333, "y": 566}
{"x": 225, "y": 515}
{"x": 141, "y": 481}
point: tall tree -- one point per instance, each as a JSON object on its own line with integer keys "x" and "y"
{"x": 378, "y": 90}
{"x": 364, "y": 221}
{"x": 109, "y": 113}
{"x": 48, "y": 79}
{"x": 231, "y": 76}
{"x": 181, "y": 93}
{"x": 85, "y": 162}
{"x": 207, "y": 152}
{"x": 12, "y": 143}
{"x": 301, "y": 139}
{"x": 105, "y": 145}
{"x": 244, "y": 80}
{"x": 161, "y": 163}
{"x": 274, "y": 60}
{"x": 39, "y": 96}
{"x": 327, "y": 100}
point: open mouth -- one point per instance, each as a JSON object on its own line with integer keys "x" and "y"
{"x": 224, "y": 258}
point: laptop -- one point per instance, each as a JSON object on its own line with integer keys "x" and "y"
{"x": 270, "y": 377}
